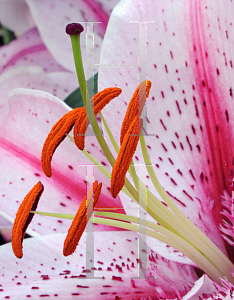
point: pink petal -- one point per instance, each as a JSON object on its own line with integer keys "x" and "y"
{"x": 31, "y": 117}
{"x": 60, "y": 84}
{"x": 15, "y": 15}
{"x": 51, "y": 19}
{"x": 189, "y": 61}
{"x": 27, "y": 50}
{"x": 43, "y": 270}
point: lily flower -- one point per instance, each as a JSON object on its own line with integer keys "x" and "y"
{"x": 171, "y": 289}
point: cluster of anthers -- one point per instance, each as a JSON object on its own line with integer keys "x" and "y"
{"x": 77, "y": 118}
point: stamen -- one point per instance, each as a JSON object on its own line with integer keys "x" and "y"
{"x": 125, "y": 155}
{"x": 135, "y": 106}
{"x": 55, "y": 137}
{"x": 81, "y": 218}
{"x": 24, "y": 217}
{"x": 98, "y": 101}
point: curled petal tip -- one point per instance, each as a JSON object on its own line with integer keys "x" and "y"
{"x": 74, "y": 28}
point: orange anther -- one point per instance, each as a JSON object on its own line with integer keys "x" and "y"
{"x": 24, "y": 217}
{"x": 99, "y": 101}
{"x": 125, "y": 155}
{"x": 81, "y": 218}
{"x": 135, "y": 106}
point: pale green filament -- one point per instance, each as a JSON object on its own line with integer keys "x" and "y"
{"x": 207, "y": 246}
{"x": 161, "y": 234}
{"x": 167, "y": 237}
{"x": 101, "y": 168}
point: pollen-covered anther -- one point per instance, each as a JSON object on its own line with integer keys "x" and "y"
{"x": 56, "y": 136}
{"x": 24, "y": 217}
{"x": 135, "y": 106}
{"x": 81, "y": 218}
{"x": 125, "y": 155}
{"x": 98, "y": 101}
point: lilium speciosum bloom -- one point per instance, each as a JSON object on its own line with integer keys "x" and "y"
{"x": 51, "y": 17}
{"x": 190, "y": 108}
{"x": 129, "y": 137}
{"x": 172, "y": 288}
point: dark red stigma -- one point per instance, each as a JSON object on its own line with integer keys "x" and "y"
{"x": 74, "y": 28}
